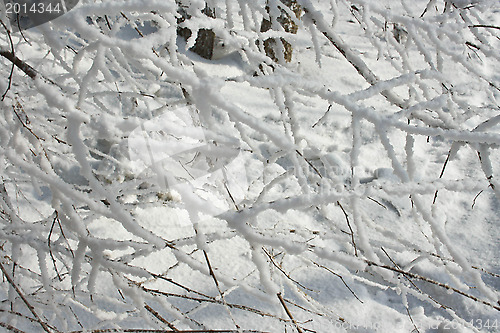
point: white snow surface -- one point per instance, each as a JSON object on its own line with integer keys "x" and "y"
{"x": 146, "y": 188}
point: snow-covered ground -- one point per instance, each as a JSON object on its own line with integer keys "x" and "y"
{"x": 352, "y": 189}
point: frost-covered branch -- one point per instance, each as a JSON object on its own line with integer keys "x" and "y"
{"x": 144, "y": 187}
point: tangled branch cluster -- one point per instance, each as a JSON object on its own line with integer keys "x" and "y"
{"x": 89, "y": 243}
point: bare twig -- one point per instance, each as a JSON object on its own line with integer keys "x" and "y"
{"x": 231, "y": 196}
{"x": 484, "y": 26}
{"x": 487, "y": 167}
{"x": 441, "y": 175}
{"x": 323, "y": 116}
{"x": 413, "y": 284}
{"x": 426, "y": 9}
{"x": 377, "y": 202}
{"x": 439, "y": 284}
{"x": 283, "y": 271}
{"x": 452, "y": 260}
{"x": 160, "y": 318}
{"x": 136, "y": 29}
{"x": 12, "y": 67}
{"x": 50, "y": 246}
{"x": 341, "y": 278}
{"x": 350, "y": 228}
{"x": 411, "y": 319}
{"x": 30, "y": 307}
{"x": 474, "y": 201}
{"x": 27, "y": 69}
{"x": 310, "y": 164}
{"x": 289, "y": 314}
{"x": 179, "y": 285}
{"x": 212, "y": 274}
{"x": 139, "y": 330}
{"x": 304, "y": 308}
{"x": 10, "y": 328}
{"x": 349, "y": 55}
{"x": 18, "y": 108}
{"x": 212, "y": 300}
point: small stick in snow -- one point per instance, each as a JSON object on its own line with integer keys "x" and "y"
{"x": 214, "y": 301}
{"x": 441, "y": 175}
{"x": 484, "y": 26}
{"x": 289, "y": 314}
{"x": 323, "y": 116}
{"x": 439, "y": 284}
{"x": 413, "y": 284}
{"x": 474, "y": 201}
{"x": 282, "y": 270}
{"x": 341, "y": 278}
{"x": 12, "y": 68}
{"x": 11, "y": 328}
{"x": 231, "y": 196}
{"x": 28, "y": 305}
{"x": 140, "y": 330}
{"x": 350, "y": 228}
{"x": 160, "y": 318}
{"x": 11, "y": 56}
{"x": 50, "y": 247}
{"x": 211, "y": 272}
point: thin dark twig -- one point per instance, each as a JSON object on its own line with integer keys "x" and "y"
{"x": 411, "y": 319}
{"x": 19, "y": 108}
{"x": 21, "y": 31}
{"x": 289, "y": 314}
{"x": 160, "y": 318}
{"x": 179, "y": 285}
{"x": 304, "y": 309}
{"x": 474, "y": 201}
{"x": 18, "y": 314}
{"x": 489, "y": 177}
{"x": 12, "y": 67}
{"x": 310, "y": 164}
{"x": 30, "y": 307}
{"x": 441, "y": 175}
{"x": 283, "y": 271}
{"x": 138, "y": 31}
{"x": 439, "y": 284}
{"x": 107, "y": 22}
{"x": 11, "y": 328}
{"x": 27, "y": 69}
{"x": 451, "y": 260}
{"x": 484, "y": 26}
{"x": 10, "y": 82}
{"x": 50, "y": 246}
{"x": 213, "y": 300}
{"x": 413, "y": 284}
{"x": 425, "y": 10}
{"x": 230, "y": 195}
{"x": 64, "y": 236}
{"x": 212, "y": 274}
{"x": 139, "y": 330}
{"x": 323, "y": 116}
{"x": 341, "y": 278}
{"x": 377, "y": 202}
{"x": 350, "y": 228}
